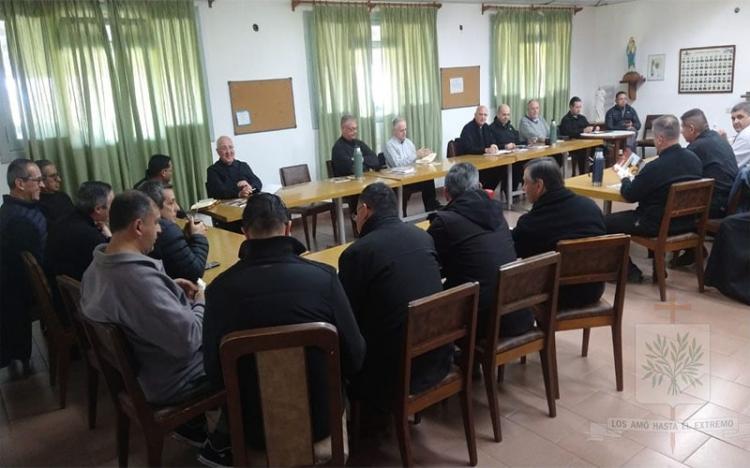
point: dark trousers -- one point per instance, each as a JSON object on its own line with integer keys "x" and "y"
{"x": 517, "y": 169}
{"x": 489, "y": 178}
{"x": 429, "y": 196}
{"x": 626, "y": 222}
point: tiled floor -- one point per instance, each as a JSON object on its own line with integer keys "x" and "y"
{"x": 34, "y": 431}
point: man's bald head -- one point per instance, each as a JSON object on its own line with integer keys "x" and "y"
{"x": 503, "y": 113}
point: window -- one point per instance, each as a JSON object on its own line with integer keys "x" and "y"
{"x": 10, "y": 102}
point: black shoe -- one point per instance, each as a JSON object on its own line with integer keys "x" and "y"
{"x": 687, "y": 258}
{"x": 635, "y": 275}
{"x": 217, "y": 451}
{"x": 192, "y": 432}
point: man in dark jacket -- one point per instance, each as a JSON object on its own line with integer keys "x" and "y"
{"x": 572, "y": 125}
{"x": 271, "y": 285}
{"x": 183, "y": 251}
{"x": 54, "y": 203}
{"x": 472, "y": 240}
{"x": 650, "y": 187}
{"x": 391, "y": 264}
{"x": 477, "y": 138}
{"x": 505, "y": 136}
{"x": 342, "y": 153}
{"x": 229, "y": 178}
{"x": 728, "y": 267}
{"x": 558, "y": 214}
{"x": 159, "y": 169}
{"x": 22, "y": 229}
{"x": 623, "y": 117}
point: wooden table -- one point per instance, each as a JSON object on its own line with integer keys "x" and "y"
{"x": 609, "y": 191}
{"x": 617, "y": 137}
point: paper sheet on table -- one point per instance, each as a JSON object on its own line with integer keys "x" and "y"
{"x": 271, "y": 188}
{"x": 615, "y": 186}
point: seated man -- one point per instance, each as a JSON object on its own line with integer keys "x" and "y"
{"x": 572, "y": 125}
{"x": 159, "y": 169}
{"x": 506, "y": 137}
{"x": 532, "y": 127}
{"x": 727, "y": 267}
{"x": 71, "y": 241}
{"x": 183, "y": 251}
{"x": 472, "y": 240}
{"x": 741, "y": 141}
{"x": 651, "y": 185}
{"x": 55, "y": 203}
{"x": 391, "y": 264}
{"x": 342, "y": 153}
{"x": 558, "y": 214}
{"x": 228, "y": 177}
{"x": 271, "y": 285}
{"x": 477, "y": 138}
{"x": 623, "y": 117}
{"x": 400, "y": 151}
{"x": 161, "y": 317}
{"x": 23, "y": 228}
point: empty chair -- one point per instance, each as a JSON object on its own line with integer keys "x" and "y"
{"x": 648, "y": 137}
{"x": 299, "y": 174}
{"x": 593, "y": 260}
{"x": 279, "y": 354}
{"x": 531, "y": 282}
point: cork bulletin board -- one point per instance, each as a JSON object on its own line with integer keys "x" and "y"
{"x": 262, "y": 105}
{"x": 459, "y": 87}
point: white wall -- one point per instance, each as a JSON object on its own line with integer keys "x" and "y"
{"x": 664, "y": 27}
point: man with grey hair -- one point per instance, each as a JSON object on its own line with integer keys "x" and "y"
{"x": 741, "y": 141}
{"x": 400, "y": 151}
{"x": 532, "y": 127}
{"x": 228, "y": 177}
{"x": 472, "y": 240}
{"x": 650, "y": 187}
{"x": 22, "y": 229}
{"x": 342, "y": 153}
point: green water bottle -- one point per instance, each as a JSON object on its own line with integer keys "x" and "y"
{"x": 553, "y": 133}
{"x": 357, "y": 162}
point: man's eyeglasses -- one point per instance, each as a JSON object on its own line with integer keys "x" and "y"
{"x": 38, "y": 180}
{"x": 54, "y": 175}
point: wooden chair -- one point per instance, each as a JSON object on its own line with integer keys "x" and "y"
{"x": 648, "y": 136}
{"x": 59, "y": 337}
{"x": 593, "y": 260}
{"x": 113, "y": 354}
{"x": 527, "y": 283}
{"x": 70, "y": 291}
{"x": 282, "y": 380}
{"x": 435, "y": 321}
{"x": 713, "y": 225}
{"x": 691, "y": 198}
{"x": 453, "y": 148}
{"x": 300, "y": 174}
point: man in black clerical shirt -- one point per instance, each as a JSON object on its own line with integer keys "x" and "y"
{"x": 342, "y": 154}
{"x": 159, "y": 169}
{"x": 572, "y": 125}
{"x": 54, "y": 203}
{"x": 505, "y": 136}
{"x": 229, "y": 178}
{"x": 477, "y": 138}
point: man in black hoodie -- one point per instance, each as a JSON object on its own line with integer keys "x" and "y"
{"x": 473, "y": 240}
{"x": 558, "y": 214}
{"x": 391, "y": 264}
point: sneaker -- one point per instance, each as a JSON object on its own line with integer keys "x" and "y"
{"x": 192, "y": 433}
{"x": 635, "y": 275}
{"x": 217, "y": 451}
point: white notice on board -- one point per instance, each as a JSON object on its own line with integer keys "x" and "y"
{"x": 457, "y": 85}
{"x": 243, "y": 118}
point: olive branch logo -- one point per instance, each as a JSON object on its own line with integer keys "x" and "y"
{"x": 675, "y": 360}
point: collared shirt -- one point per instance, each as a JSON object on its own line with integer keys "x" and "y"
{"x": 529, "y": 128}
{"x": 741, "y": 147}
{"x": 399, "y": 153}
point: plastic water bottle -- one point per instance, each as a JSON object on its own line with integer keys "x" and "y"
{"x": 357, "y": 162}
{"x": 597, "y": 173}
{"x": 553, "y": 133}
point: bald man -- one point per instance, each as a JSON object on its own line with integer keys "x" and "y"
{"x": 505, "y": 136}
{"x": 229, "y": 178}
{"x": 476, "y": 138}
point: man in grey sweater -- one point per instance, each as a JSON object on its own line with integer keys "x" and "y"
{"x": 532, "y": 127}
{"x": 161, "y": 318}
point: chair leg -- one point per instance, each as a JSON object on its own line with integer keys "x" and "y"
{"x": 467, "y": 411}
{"x": 617, "y": 351}
{"x": 549, "y": 382}
{"x": 401, "y": 421}
{"x": 585, "y": 342}
{"x": 334, "y": 225}
{"x": 699, "y": 266}
{"x": 522, "y": 360}
{"x": 123, "y": 438}
{"x": 307, "y": 233}
{"x": 154, "y": 448}
{"x": 501, "y": 373}
{"x": 63, "y": 370}
{"x": 659, "y": 273}
{"x": 488, "y": 369}
{"x": 93, "y": 384}
{"x": 553, "y": 364}
{"x": 315, "y": 225}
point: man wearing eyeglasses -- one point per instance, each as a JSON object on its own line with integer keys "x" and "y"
{"x": 22, "y": 229}
{"x": 55, "y": 203}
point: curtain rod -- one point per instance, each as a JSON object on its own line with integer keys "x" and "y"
{"x": 490, "y": 6}
{"x": 369, "y": 4}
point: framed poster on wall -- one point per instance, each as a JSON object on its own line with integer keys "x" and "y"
{"x": 706, "y": 70}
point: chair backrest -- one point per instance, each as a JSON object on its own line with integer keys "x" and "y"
{"x": 42, "y": 293}
{"x": 292, "y": 175}
{"x": 686, "y": 199}
{"x": 115, "y": 359}
{"x": 596, "y": 259}
{"x": 282, "y": 381}
{"x": 648, "y": 126}
{"x": 329, "y": 168}
{"x": 437, "y": 320}
{"x": 70, "y": 292}
{"x": 453, "y": 148}
{"x": 526, "y": 283}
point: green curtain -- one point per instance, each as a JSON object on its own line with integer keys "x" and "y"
{"x": 100, "y": 108}
{"x": 530, "y": 59}
{"x": 410, "y": 66}
{"x": 342, "y": 58}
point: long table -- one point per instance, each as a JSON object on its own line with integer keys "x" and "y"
{"x": 339, "y": 187}
{"x": 609, "y": 191}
